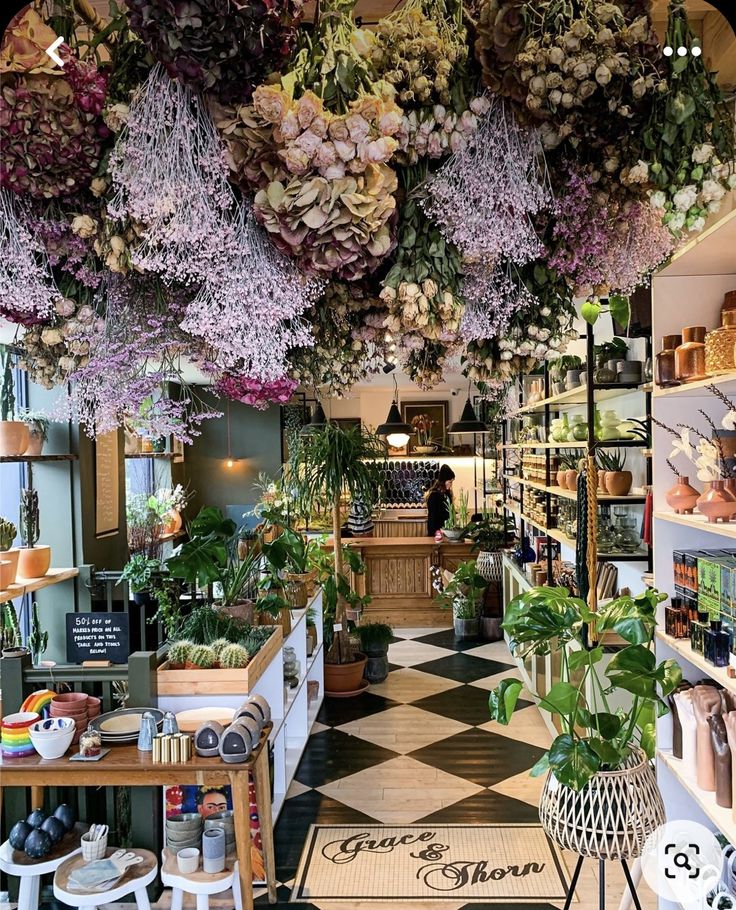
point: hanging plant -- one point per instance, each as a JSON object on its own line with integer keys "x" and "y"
{"x": 215, "y": 46}
{"x": 492, "y": 300}
{"x": 254, "y": 392}
{"x": 52, "y": 351}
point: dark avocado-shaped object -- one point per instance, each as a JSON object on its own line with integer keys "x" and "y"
{"x": 38, "y": 844}
{"x": 67, "y": 815}
{"x": 18, "y": 834}
{"x": 54, "y": 827}
{"x": 36, "y": 818}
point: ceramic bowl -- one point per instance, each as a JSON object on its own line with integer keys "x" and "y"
{"x": 20, "y": 720}
{"x": 52, "y": 726}
{"x": 53, "y": 746}
{"x": 68, "y": 698}
{"x": 186, "y": 821}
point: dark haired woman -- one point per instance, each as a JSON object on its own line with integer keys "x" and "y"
{"x": 439, "y": 497}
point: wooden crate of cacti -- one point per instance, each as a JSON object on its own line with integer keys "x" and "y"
{"x": 223, "y": 680}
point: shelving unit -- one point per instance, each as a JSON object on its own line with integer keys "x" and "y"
{"x": 25, "y": 586}
{"x": 35, "y": 459}
{"x": 579, "y": 396}
{"x": 703, "y": 271}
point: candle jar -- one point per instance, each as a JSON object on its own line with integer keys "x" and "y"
{"x": 719, "y": 345}
{"x": 716, "y": 644}
{"x": 697, "y": 632}
{"x": 666, "y": 361}
{"x": 690, "y": 355}
{"x": 90, "y": 743}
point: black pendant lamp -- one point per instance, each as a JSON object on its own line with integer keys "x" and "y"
{"x": 468, "y": 422}
{"x": 317, "y": 421}
{"x": 396, "y": 431}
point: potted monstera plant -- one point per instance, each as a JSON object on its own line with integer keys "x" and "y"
{"x": 463, "y": 593}
{"x": 600, "y": 798}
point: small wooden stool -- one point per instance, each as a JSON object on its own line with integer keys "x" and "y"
{"x": 199, "y": 883}
{"x": 29, "y": 871}
{"x": 133, "y": 881}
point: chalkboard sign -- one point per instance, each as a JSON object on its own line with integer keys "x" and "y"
{"x": 97, "y": 636}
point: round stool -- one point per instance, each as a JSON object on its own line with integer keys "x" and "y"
{"x": 199, "y": 883}
{"x": 133, "y": 881}
{"x": 29, "y": 871}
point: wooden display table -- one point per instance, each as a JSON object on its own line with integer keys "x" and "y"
{"x": 125, "y": 766}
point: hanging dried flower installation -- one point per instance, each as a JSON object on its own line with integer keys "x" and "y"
{"x": 492, "y": 300}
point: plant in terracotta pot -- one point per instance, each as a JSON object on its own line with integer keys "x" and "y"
{"x": 375, "y": 637}
{"x": 600, "y": 798}
{"x": 14, "y": 436}
{"x": 38, "y": 431}
{"x": 330, "y": 462}
{"x": 292, "y": 553}
{"x": 171, "y": 503}
{"x": 8, "y": 553}
{"x": 617, "y": 481}
{"x": 33, "y": 560}
{"x": 461, "y": 591}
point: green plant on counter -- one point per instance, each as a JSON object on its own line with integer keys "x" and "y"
{"x": 594, "y": 737}
{"x": 491, "y": 533}
{"x": 610, "y": 460}
{"x": 140, "y": 571}
{"x": 234, "y": 657}
{"x": 463, "y": 592}
{"x": 458, "y": 514}
{"x": 8, "y": 533}
{"x": 38, "y": 640}
{"x": 374, "y": 636}
{"x": 10, "y": 628}
{"x": 37, "y": 423}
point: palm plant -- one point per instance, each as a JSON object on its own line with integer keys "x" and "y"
{"x": 328, "y": 463}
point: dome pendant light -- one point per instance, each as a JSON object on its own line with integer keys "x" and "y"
{"x": 396, "y": 431}
{"x": 468, "y": 422}
{"x": 316, "y": 422}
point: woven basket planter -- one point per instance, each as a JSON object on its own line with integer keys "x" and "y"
{"x": 299, "y": 587}
{"x": 488, "y": 565}
{"x": 611, "y": 817}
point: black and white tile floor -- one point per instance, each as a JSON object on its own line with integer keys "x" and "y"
{"x": 420, "y": 747}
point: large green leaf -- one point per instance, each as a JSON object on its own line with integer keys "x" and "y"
{"x": 573, "y": 761}
{"x": 582, "y": 658}
{"x": 606, "y": 752}
{"x": 607, "y": 724}
{"x": 620, "y": 309}
{"x": 502, "y": 700}
{"x": 562, "y": 698}
{"x": 590, "y": 311}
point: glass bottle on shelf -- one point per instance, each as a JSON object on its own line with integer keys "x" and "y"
{"x": 690, "y": 355}
{"x": 716, "y": 644}
{"x": 665, "y": 375}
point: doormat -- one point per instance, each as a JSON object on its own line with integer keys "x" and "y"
{"x": 501, "y": 864}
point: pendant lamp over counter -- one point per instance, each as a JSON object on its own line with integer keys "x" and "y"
{"x": 395, "y": 429}
{"x": 316, "y": 422}
{"x": 468, "y": 422}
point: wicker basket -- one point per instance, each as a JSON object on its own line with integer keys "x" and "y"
{"x": 611, "y": 817}
{"x": 488, "y": 565}
{"x": 299, "y": 588}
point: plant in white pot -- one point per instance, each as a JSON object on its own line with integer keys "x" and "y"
{"x": 463, "y": 593}
{"x": 489, "y": 536}
{"x": 34, "y": 560}
{"x": 600, "y": 798}
{"x": 456, "y": 526}
{"x": 14, "y": 436}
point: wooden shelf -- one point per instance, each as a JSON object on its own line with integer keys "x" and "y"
{"x": 28, "y": 585}
{"x": 726, "y": 382}
{"x": 579, "y": 395}
{"x": 682, "y": 647}
{"x": 153, "y": 455}
{"x": 575, "y": 444}
{"x": 699, "y": 523}
{"x": 572, "y": 494}
{"x": 721, "y": 818}
{"x": 6, "y": 459}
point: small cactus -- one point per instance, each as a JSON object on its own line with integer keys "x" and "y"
{"x": 179, "y": 652}
{"x": 8, "y": 532}
{"x": 203, "y": 656}
{"x": 234, "y": 657}
{"x": 219, "y": 645}
{"x": 38, "y": 640}
{"x": 29, "y": 523}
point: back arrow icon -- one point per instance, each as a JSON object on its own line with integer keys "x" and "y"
{"x": 51, "y": 51}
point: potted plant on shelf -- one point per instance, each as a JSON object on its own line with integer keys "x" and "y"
{"x": 10, "y": 631}
{"x": 600, "y": 798}
{"x": 422, "y": 425}
{"x": 140, "y": 572}
{"x": 38, "y": 431}
{"x": 171, "y": 503}
{"x": 462, "y": 593}
{"x": 8, "y": 553}
{"x": 375, "y": 637}
{"x": 292, "y": 553}
{"x": 14, "y": 436}
{"x": 38, "y": 639}
{"x": 457, "y": 519}
{"x": 617, "y": 481}
{"x": 33, "y": 560}
{"x": 329, "y": 462}
{"x": 567, "y": 473}
{"x": 565, "y": 372}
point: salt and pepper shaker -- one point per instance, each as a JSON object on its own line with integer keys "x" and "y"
{"x": 170, "y": 725}
{"x": 146, "y": 733}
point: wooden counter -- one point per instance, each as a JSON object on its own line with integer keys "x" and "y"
{"x": 398, "y": 578}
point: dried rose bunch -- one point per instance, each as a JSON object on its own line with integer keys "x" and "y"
{"x": 257, "y": 394}
{"x": 51, "y": 352}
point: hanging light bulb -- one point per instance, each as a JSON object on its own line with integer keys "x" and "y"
{"x": 229, "y": 461}
{"x": 468, "y": 422}
{"x": 395, "y": 429}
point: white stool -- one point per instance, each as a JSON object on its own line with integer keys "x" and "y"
{"x": 133, "y": 881}
{"x": 14, "y": 862}
{"x": 199, "y": 883}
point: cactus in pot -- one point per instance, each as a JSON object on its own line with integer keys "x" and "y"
{"x": 202, "y": 656}
{"x": 14, "y": 436}
{"x": 179, "y": 653}
{"x": 8, "y": 553}
{"x": 219, "y": 645}
{"x": 33, "y": 560}
{"x": 234, "y": 657}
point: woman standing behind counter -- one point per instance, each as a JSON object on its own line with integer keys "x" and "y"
{"x": 439, "y": 497}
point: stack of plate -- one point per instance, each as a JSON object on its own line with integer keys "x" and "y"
{"x": 122, "y": 727}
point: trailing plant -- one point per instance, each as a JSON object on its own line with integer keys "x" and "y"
{"x": 234, "y": 657}
{"x": 11, "y": 637}
{"x": 38, "y": 639}
{"x": 203, "y": 656}
{"x": 29, "y": 520}
{"x": 139, "y": 572}
{"x": 179, "y": 652}
{"x": 8, "y": 533}
{"x": 610, "y": 460}
{"x": 463, "y": 592}
{"x": 594, "y": 736}
{"x": 166, "y": 593}
{"x": 374, "y": 636}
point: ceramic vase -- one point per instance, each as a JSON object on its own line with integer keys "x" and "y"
{"x": 34, "y": 562}
{"x": 729, "y": 484}
{"x": 602, "y": 488}
{"x": 619, "y": 482}
{"x": 562, "y": 479}
{"x": 14, "y": 437}
{"x": 213, "y": 850}
{"x": 571, "y": 480}
{"x": 716, "y": 503}
{"x": 690, "y": 355}
{"x": 682, "y": 497}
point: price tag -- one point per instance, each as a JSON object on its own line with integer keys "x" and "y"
{"x": 337, "y": 627}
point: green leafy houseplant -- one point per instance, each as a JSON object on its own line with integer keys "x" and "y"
{"x": 374, "y": 636}
{"x": 490, "y": 533}
{"x": 331, "y": 462}
{"x": 336, "y": 588}
{"x": 463, "y": 592}
{"x": 144, "y": 517}
{"x": 594, "y": 737}
{"x": 140, "y": 571}
{"x": 559, "y": 368}
{"x": 610, "y": 460}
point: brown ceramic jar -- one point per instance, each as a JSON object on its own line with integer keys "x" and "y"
{"x": 716, "y": 503}
{"x": 690, "y": 355}
{"x": 682, "y": 497}
{"x": 561, "y": 479}
{"x": 665, "y": 374}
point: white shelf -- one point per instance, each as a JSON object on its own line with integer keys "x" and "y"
{"x": 682, "y": 647}
{"x": 710, "y": 253}
{"x": 293, "y": 693}
{"x": 577, "y": 396}
{"x": 722, "y": 818}
{"x": 724, "y": 381}
{"x": 699, "y": 523}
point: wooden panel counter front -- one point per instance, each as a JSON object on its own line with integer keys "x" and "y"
{"x": 398, "y": 579}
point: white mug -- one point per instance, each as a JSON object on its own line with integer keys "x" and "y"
{"x": 188, "y": 860}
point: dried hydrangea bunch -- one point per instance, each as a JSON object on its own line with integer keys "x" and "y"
{"x": 53, "y": 351}
{"x": 169, "y": 173}
{"x": 492, "y": 298}
{"x": 346, "y": 324}
{"x": 485, "y": 196}
{"x": 69, "y": 247}
{"x": 27, "y": 289}
{"x": 254, "y": 392}
{"x": 216, "y": 46}
{"x": 248, "y": 311}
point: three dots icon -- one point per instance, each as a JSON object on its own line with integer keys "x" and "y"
{"x": 696, "y": 50}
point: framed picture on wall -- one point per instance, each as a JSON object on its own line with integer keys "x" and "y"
{"x": 432, "y": 416}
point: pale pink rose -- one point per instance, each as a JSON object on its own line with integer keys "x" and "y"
{"x": 379, "y": 150}
{"x": 307, "y": 108}
{"x": 346, "y": 150}
{"x": 319, "y": 126}
{"x": 390, "y": 123}
{"x": 335, "y": 171}
{"x": 290, "y": 128}
{"x": 308, "y": 142}
{"x": 297, "y": 161}
{"x": 271, "y": 103}
{"x": 338, "y": 129}
{"x": 434, "y": 146}
{"x": 426, "y": 127}
{"x": 468, "y": 122}
{"x": 458, "y": 141}
{"x": 358, "y": 127}
{"x": 325, "y": 155}
{"x": 480, "y": 105}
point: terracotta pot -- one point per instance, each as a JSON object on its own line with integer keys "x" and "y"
{"x": 341, "y": 678}
{"x": 562, "y": 479}
{"x": 35, "y": 444}
{"x": 242, "y": 609}
{"x": 172, "y": 522}
{"x": 11, "y": 556}
{"x": 619, "y": 482}
{"x": 14, "y": 437}
{"x": 34, "y": 562}
{"x": 602, "y": 488}
{"x": 246, "y": 546}
{"x": 716, "y": 503}
{"x": 682, "y": 497}
{"x": 571, "y": 480}
{"x": 6, "y": 573}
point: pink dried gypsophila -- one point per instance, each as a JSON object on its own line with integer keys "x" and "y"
{"x": 492, "y": 300}
{"x": 485, "y": 196}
